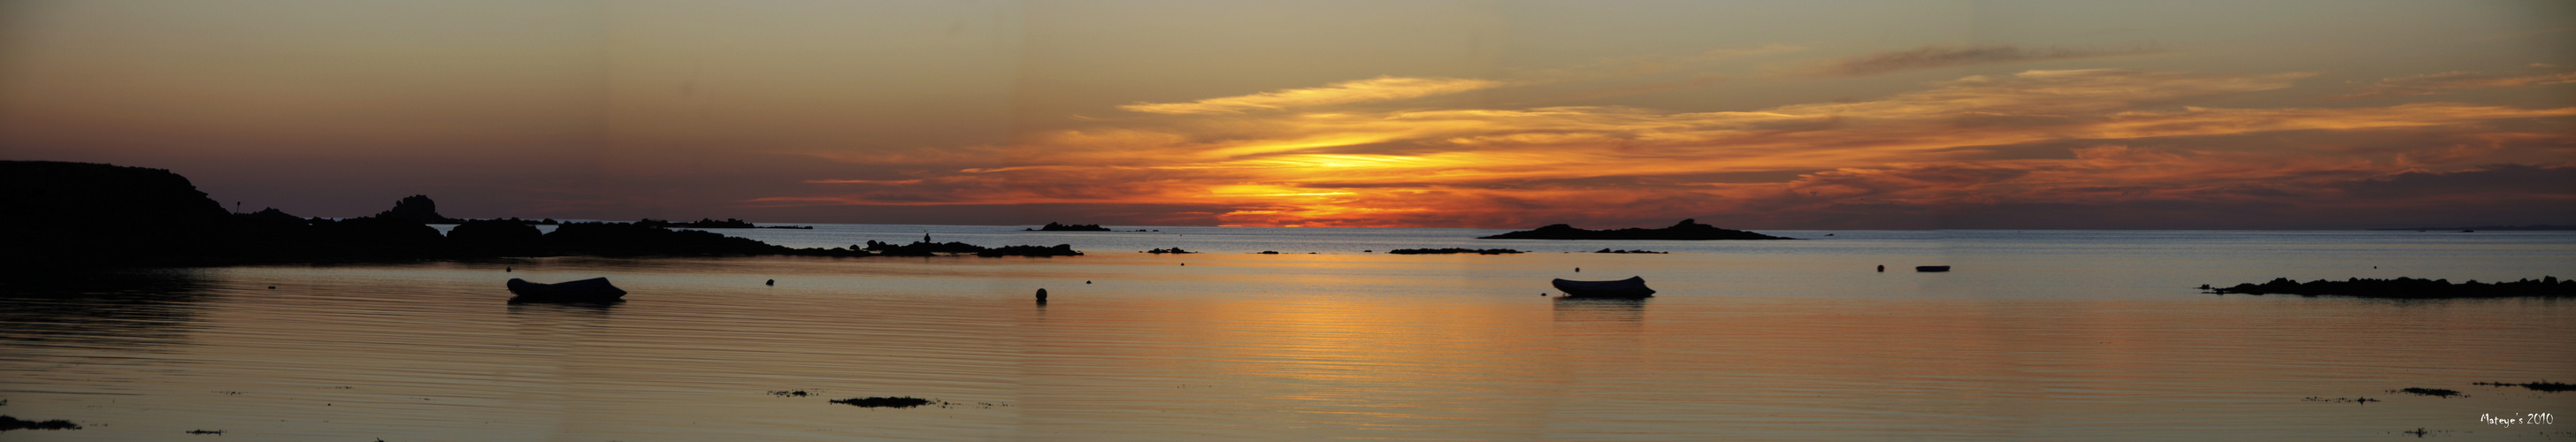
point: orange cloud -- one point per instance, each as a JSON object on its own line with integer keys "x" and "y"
{"x": 2100, "y": 138}
{"x": 1355, "y": 91}
{"x": 2429, "y": 84}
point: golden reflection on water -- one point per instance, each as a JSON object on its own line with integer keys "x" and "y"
{"x": 1235, "y": 347}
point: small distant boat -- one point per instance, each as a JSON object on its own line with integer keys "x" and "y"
{"x": 591, "y": 289}
{"x": 1931, "y": 268}
{"x": 1633, "y": 287}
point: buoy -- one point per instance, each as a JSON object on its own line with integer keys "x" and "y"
{"x": 1041, "y": 295}
{"x": 772, "y": 282}
{"x": 1086, "y": 282}
{"x": 1578, "y": 270}
{"x": 272, "y": 287}
{"x": 1882, "y": 268}
{"x": 505, "y": 270}
{"x": 1185, "y": 263}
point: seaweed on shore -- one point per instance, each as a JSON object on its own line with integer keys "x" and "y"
{"x": 2546, "y": 386}
{"x": 10, "y": 423}
{"x": 895, "y": 402}
{"x": 2403, "y": 287}
{"x": 1452, "y": 250}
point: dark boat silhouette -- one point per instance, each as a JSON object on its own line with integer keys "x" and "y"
{"x": 1931, "y": 268}
{"x": 587, "y": 289}
{"x": 1633, "y": 287}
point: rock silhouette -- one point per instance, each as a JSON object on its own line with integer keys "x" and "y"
{"x": 496, "y": 238}
{"x": 1053, "y": 227}
{"x": 1688, "y": 229}
{"x": 417, "y": 208}
{"x": 2402, "y": 287}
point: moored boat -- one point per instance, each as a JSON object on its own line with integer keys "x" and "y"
{"x": 1633, "y": 287}
{"x": 1931, "y": 268}
{"x": 589, "y": 289}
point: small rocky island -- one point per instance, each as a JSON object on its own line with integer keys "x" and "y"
{"x": 1053, "y": 227}
{"x": 2407, "y": 288}
{"x": 1688, "y": 229}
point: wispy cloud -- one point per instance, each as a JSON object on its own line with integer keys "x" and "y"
{"x": 1940, "y": 56}
{"x": 1355, "y": 91}
{"x": 2096, "y": 138}
{"x": 2429, "y": 84}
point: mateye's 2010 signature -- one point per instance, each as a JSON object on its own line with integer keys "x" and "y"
{"x": 2527, "y": 419}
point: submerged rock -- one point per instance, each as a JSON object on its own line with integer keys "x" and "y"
{"x": 1452, "y": 250}
{"x": 10, "y": 423}
{"x": 2546, "y": 386}
{"x": 2402, "y": 287}
{"x": 873, "y": 402}
{"x": 2434, "y": 392}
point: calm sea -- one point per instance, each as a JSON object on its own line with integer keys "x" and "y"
{"x": 2037, "y": 335}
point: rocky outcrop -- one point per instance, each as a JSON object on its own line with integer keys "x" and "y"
{"x": 927, "y": 248}
{"x": 1688, "y": 229}
{"x": 623, "y": 239}
{"x": 705, "y": 223}
{"x": 2402, "y": 287}
{"x": 417, "y": 208}
{"x": 270, "y": 214}
{"x": 1053, "y": 227}
{"x": 497, "y": 238}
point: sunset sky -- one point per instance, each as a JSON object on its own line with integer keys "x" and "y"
{"x": 1501, "y": 114}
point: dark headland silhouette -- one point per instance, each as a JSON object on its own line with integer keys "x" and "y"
{"x": 74, "y": 215}
{"x": 1688, "y": 229}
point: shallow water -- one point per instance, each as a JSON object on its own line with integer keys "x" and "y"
{"x": 2041, "y": 335}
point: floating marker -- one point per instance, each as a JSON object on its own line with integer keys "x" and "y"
{"x": 1041, "y": 295}
{"x": 772, "y": 282}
